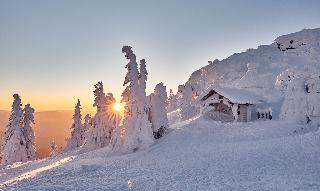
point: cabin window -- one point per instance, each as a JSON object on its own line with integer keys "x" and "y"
{"x": 220, "y": 97}
{"x": 258, "y": 115}
{"x": 211, "y": 104}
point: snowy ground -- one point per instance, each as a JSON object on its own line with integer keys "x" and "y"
{"x": 196, "y": 155}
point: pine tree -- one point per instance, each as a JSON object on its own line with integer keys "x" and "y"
{"x": 143, "y": 84}
{"x": 172, "y": 102}
{"x": 77, "y": 130}
{"x": 158, "y": 112}
{"x": 87, "y": 122}
{"x": 143, "y": 77}
{"x": 28, "y": 132}
{"x": 136, "y": 132}
{"x": 100, "y": 132}
{"x": 188, "y": 110}
{"x": 99, "y": 97}
{"x": 14, "y": 148}
{"x": 132, "y": 92}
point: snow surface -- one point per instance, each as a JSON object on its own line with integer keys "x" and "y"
{"x": 196, "y": 155}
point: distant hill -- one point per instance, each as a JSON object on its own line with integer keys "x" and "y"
{"x": 50, "y": 125}
{"x": 4, "y": 116}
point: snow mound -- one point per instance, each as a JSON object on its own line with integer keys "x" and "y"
{"x": 266, "y": 62}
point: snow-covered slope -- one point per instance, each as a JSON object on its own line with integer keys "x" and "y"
{"x": 196, "y": 155}
{"x": 297, "y": 50}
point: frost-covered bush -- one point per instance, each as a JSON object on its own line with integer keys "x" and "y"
{"x": 158, "y": 112}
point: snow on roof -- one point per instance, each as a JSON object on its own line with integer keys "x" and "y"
{"x": 235, "y": 95}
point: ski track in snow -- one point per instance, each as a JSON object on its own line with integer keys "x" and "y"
{"x": 196, "y": 155}
{"x": 34, "y": 172}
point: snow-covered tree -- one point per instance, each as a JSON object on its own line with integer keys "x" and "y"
{"x": 158, "y": 112}
{"x": 14, "y": 148}
{"x": 28, "y": 121}
{"x": 143, "y": 76}
{"x": 77, "y": 130}
{"x": 103, "y": 123}
{"x": 143, "y": 84}
{"x": 87, "y": 122}
{"x": 301, "y": 103}
{"x": 172, "y": 102}
{"x": 188, "y": 110}
{"x": 136, "y": 132}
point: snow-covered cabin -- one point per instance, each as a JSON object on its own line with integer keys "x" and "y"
{"x": 232, "y": 104}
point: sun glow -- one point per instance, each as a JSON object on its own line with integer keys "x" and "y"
{"x": 118, "y": 107}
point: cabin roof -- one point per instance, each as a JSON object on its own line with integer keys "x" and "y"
{"x": 235, "y": 95}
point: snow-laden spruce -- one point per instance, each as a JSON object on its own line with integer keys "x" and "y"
{"x": 136, "y": 132}
{"x": 188, "y": 110}
{"x": 77, "y": 130}
{"x": 158, "y": 112}
{"x": 14, "y": 148}
{"x": 143, "y": 84}
{"x": 302, "y": 95}
{"x": 102, "y": 124}
{"x": 28, "y": 121}
{"x": 172, "y": 102}
{"x": 87, "y": 122}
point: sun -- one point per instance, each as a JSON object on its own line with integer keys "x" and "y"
{"x": 118, "y": 107}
